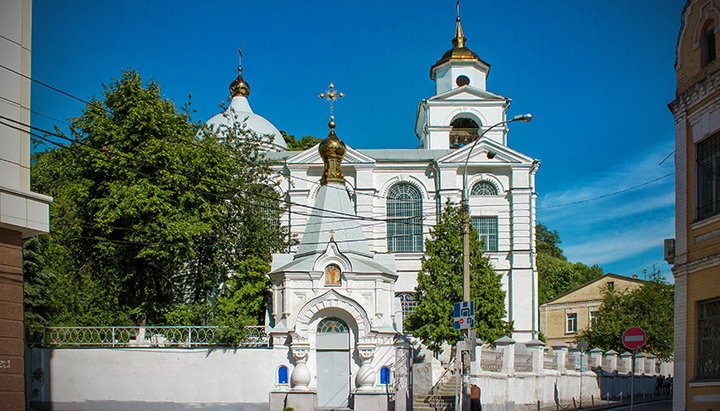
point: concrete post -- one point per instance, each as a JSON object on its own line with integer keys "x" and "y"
{"x": 612, "y": 360}
{"x": 507, "y": 345}
{"x": 650, "y": 362}
{"x": 561, "y": 350}
{"x": 595, "y": 359}
{"x": 536, "y": 348}
{"x": 639, "y": 363}
{"x": 573, "y": 352}
{"x": 625, "y": 365}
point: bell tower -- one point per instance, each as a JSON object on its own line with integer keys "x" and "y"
{"x": 462, "y": 107}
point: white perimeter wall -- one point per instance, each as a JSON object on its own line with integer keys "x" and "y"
{"x": 152, "y": 378}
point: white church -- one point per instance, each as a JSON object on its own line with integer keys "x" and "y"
{"x": 339, "y": 297}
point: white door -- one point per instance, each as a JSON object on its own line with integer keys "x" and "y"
{"x": 333, "y": 363}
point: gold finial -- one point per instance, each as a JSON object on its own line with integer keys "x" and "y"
{"x": 332, "y": 235}
{"x": 239, "y": 87}
{"x": 459, "y": 40}
{"x": 332, "y": 150}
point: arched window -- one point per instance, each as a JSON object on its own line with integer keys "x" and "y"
{"x": 483, "y": 188}
{"x": 404, "y": 212}
{"x": 385, "y": 375}
{"x": 463, "y": 131}
{"x": 407, "y": 303}
{"x": 332, "y": 325}
{"x": 708, "y": 43}
{"x": 282, "y": 374}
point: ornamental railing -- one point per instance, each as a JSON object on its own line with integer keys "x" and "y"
{"x": 158, "y": 337}
{"x": 491, "y": 360}
{"x": 549, "y": 360}
{"x": 523, "y": 362}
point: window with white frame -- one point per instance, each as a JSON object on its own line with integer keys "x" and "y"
{"x": 594, "y": 316}
{"x": 487, "y": 229}
{"x": 571, "y": 323}
{"x": 405, "y": 223}
{"x": 483, "y": 188}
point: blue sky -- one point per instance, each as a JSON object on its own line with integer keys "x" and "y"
{"x": 597, "y": 78}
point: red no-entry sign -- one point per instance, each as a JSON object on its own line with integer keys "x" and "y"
{"x": 634, "y": 338}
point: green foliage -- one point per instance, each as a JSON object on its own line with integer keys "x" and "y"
{"x": 148, "y": 219}
{"x": 649, "y": 307}
{"x": 556, "y": 275}
{"x": 440, "y": 284}
{"x": 299, "y": 145}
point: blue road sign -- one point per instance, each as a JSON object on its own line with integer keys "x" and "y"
{"x": 464, "y": 313}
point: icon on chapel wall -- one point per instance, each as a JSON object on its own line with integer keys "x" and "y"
{"x": 332, "y": 274}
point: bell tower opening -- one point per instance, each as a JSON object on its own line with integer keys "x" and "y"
{"x": 463, "y": 131}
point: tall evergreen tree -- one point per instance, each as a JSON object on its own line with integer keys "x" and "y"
{"x": 440, "y": 284}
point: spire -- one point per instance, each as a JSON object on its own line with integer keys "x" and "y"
{"x": 332, "y": 150}
{"x": 459, "y": 40}
{"x": 239, "y": 87}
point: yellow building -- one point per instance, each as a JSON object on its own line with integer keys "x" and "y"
{"x": 695, "y": 251}
{"x": 564, "y": 316}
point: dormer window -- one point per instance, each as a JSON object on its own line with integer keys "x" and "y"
{"x": 708, "y": 44}
{"x": 463, "y": 131}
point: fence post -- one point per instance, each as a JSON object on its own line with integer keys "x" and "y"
{"x": 612, "y": 357}
{"x": 650, "y": 362}
{"x": 625, "y": 362}
{"x": 535, "y": 347}
{"x": 507, "y": 345}
{"x": 560, "y": 354}
{"x": 595, "y": 357}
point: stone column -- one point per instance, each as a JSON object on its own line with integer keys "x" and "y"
{"x": 612, "y": 359}
{"x": 300, "y": 378}
{"x": 507, "y": 345}
{"x": 595, "y": 359}
{"x": 625, "y": 362}
{"x": 639, "y": 363}
{"x": 365, "y": 378}
{"x": 536, "y": 347}
{"x": 561, "y": 352}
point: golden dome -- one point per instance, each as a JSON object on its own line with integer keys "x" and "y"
{"x": 459, "y": 52}
{"x": 332, "y": 150}
{"x": 239, "y": 87}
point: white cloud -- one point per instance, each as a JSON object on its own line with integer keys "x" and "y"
{"x": 610, "y": 246}
{"x": 634, "y": 172}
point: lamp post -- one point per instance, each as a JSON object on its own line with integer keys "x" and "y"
{"x": 470, "y": 333}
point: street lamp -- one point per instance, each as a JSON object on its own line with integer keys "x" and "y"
{"x": 470, "y": 333}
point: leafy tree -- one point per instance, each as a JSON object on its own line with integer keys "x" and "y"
{"x": 440, "y": 284}
{"x": 299, "y": 145}
{"x": 148, "y": 218}
{"x": 649, "y": 307}
{"x": 556, "y": 275}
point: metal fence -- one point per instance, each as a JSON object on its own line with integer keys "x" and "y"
{"x": 491, "y": 360}
{"x": 161, "y": 336}
{"x": 523, "y": 362}
{"x": 549, "y": 360}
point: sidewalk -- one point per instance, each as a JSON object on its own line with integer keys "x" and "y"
{"x": 600, "y": 405}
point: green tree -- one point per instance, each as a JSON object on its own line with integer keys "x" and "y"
{"x": 148, "y": 218}
{"x": 649, "y": 307}
{"x": 440, "y": 284}
{"x": 299, "y": 145}
{"x": 556, "y": 275}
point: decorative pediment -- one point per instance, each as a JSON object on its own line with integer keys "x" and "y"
{"x": 486, "y": 151}
{"x": 312, "y": 156}
{"x": 466, "y": 93}
{"x": 333, "y": 299}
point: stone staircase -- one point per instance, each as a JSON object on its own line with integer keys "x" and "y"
{"x": 440, "y": 398}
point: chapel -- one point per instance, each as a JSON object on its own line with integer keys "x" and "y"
{"x": 340, "y": 295}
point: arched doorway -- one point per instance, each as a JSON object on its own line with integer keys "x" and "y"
{"x": 333, "y": 363}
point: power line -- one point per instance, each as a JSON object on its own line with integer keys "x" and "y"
{"x": 15, "y": 103}
{"x": 609, "y": 194}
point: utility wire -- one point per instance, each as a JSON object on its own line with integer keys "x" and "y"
{"x": 609, "y": 194}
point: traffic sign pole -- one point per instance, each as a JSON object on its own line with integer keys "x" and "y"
{"x": 632, "y": 383}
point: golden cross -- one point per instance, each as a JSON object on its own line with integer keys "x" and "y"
{"x": 332, "y": 235}
{"x": 331, "y": 96}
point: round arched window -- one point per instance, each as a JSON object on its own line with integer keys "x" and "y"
{"x": 463, "y": 130}
{"x": 484, "y": 188}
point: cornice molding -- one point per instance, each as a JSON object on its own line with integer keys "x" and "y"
{"x": 693, "y": 95}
